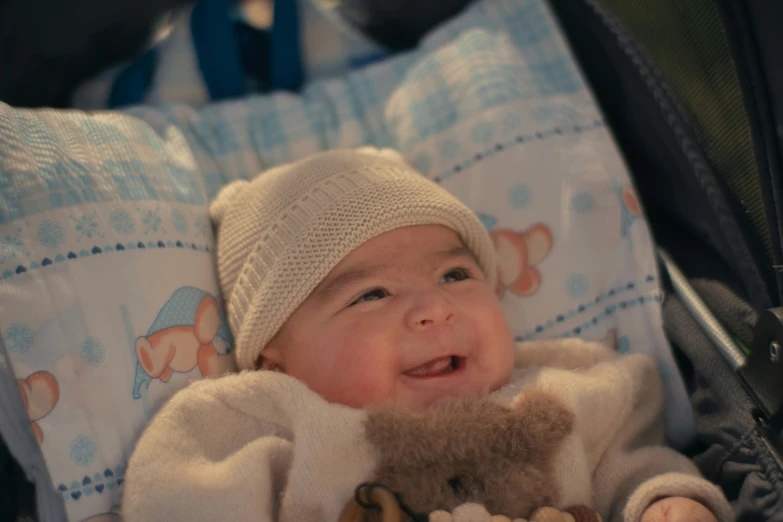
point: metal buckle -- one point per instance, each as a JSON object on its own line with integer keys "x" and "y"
{"x": 762, "y": 373}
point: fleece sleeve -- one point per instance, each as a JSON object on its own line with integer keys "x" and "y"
{"x": 249, "y": 447}
{"x": 636, "y": 468}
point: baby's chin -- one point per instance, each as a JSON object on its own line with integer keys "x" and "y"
{"x": 420, "y": 394}
{"x": 470, "y": 379}
{"x": 422, "y": 402}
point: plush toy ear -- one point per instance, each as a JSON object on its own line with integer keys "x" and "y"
{"x": 225, "y": 199}
{"x": 549, "y": 514}
{"x": 389, "y": 154}
{"x": 471, "y": 512}
{"x": 583, "y": 514}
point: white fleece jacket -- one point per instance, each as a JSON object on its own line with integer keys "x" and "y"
{"x": 262, "y": 447}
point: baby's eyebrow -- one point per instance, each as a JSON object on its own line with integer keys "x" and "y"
{"x": 342, "y": 280}
{"x": 457, "y": 251}
{"x": 351, "y": 276}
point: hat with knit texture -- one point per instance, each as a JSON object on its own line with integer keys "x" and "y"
{"x": 279, "y": 235}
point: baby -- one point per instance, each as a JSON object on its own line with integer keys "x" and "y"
{"x": 366, "y": 293}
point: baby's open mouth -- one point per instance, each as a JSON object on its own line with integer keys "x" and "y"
{"x": 438, "y": 367}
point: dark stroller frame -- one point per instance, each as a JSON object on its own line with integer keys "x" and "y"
{"x": 693, "y": 92}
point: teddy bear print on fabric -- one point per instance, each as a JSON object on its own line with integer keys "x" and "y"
{"x": 40, "y": 393}
{"x": 630, "y": 209}
{"x": 189, "y": 332}
{"x": 518, "y": 253}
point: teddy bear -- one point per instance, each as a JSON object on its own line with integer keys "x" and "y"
{"x": 518, "y": 253}
{"x": 470, "y": 512}
{"x": 464, "y": 459}
{"x": 477, "y": 513}
{"x": 40, "y": 393}
{"x": 190, "y": 331}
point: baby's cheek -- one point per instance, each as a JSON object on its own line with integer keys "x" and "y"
{"x": 497, "y": 343}
{"x": 359, "y": 390}
{"x": 491, "y": 323}
{"x": 366, "y": 375}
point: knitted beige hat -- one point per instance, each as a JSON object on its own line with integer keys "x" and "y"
{"x": 279, "y": 235}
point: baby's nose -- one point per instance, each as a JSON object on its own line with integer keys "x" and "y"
{"x": 430, "y": 309}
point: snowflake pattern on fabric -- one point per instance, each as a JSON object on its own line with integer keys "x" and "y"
{"x": 11, "y": 247}
{"x": 82, "y": 451}
{"x": 86, "y": 226}
{"x": 202, "y": 226}
{"x": 152, "y": 221}
{"x": 50, "y": 234}
{"x": 19, "y": 337}
{"x": 179, "y": 222}
{"x": 122, "y": 222}
{"x": 93, "y": 351}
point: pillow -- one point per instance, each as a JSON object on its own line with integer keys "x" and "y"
{"x": 108, "y": 293}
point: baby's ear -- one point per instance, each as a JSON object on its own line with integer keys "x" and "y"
{"x": 610, "y": 339}
{"x": 267, "y": 364}
{"x": 270, "y": 359}
{"x": 225, "y": 198}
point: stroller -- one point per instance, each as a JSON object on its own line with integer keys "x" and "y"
{"x": 693, "y": 94}
{"x": 695, "y": 99}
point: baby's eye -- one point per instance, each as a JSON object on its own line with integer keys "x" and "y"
{"x": 454, "y": 275}
{"x": 372, "y": 295}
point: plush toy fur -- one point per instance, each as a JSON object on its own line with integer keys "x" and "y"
{"x": 468, "y": 450}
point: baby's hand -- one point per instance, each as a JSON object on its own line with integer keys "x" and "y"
{"x": 677, "y": 509}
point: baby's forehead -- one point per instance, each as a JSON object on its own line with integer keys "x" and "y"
{"x": 418, "y": 243}
{"x": 427, "y": 257}
{"x": 395, "y": 253}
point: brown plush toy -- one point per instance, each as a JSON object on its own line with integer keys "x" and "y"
{"x": 545, "y": 514}
{"x": 467, "y": 452}
{"x": 384, "y": 506}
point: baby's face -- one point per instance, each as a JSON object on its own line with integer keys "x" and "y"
{"x": 406, "y": 318}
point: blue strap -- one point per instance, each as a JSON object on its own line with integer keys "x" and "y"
{"x": 217, "y": 50}
{"x": 286, "y": 56}
{"x": 131, "y": 84}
